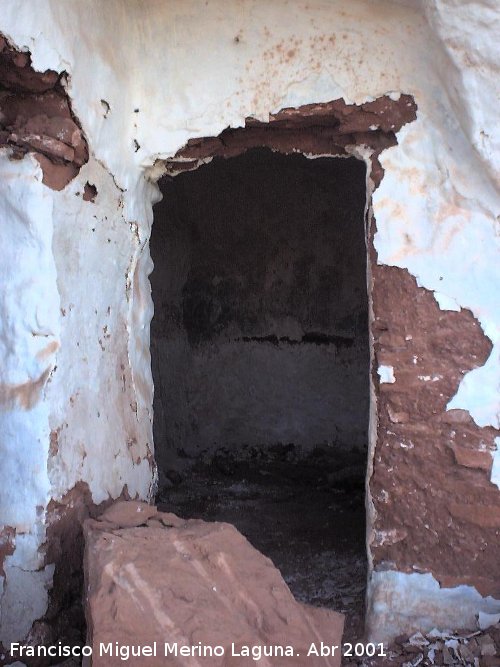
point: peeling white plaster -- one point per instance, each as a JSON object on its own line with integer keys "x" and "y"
{"x": 454, "y": 248}
{"x": 470, "y": 74}
{"x": 29, "y": 333}
{"x": 404, "y": 603}
{"x": 94, "y": 243}
{"x": 63, "y": 299}
{"x": 446, "y": 302}
{"x": 436, "y": 175}
{"x": 485, "y": 621}
{"x": 495, "y": 468}
{"x": 27, "y": 555}
{"x": 479, "y": 391}
{"x": 386, "y": 374}
{"x": 436, "y": 213}
{"x": 198, "y": 79}
{"x": 24, "y": 600}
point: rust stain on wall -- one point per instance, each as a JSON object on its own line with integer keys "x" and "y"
{"x": 24, "y": 395}
{"x": 48, "y": 351}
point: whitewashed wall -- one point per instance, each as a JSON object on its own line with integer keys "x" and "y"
{"x": 170, "y": 71}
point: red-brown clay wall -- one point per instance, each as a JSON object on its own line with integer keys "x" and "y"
{"x": 435, "y": 507}
{"x": 36, "y": 117}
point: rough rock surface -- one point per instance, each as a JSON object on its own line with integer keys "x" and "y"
{"x": 193, "y": 583}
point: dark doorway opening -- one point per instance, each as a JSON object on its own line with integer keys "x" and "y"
{"x": 260, "y": 357}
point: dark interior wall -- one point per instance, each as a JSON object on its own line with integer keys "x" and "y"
{"x": 260, "y": 333}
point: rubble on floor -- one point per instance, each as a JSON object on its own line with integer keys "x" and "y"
{"x": 469, "y": 649}
{"x": 153, "y": 577}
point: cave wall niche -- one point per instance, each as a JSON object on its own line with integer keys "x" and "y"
{"x": 261, "y": 361}
{"x": 260, "y": 341}
{"x": 260, "y": 337}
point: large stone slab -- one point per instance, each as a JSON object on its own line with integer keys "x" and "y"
{"x": 192, "y": 594}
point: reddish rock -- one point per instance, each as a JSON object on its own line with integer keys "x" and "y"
{"x": 128, "y": 514}
{"x": 170, "y": 519}
{"x": 194, "y": 585}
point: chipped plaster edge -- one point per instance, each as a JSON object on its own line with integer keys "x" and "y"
{"x": 456, "y": 230}
{"x": 495, "y": 468}
{"x": 386, "y": 374}
{"x": 399, "y": 603}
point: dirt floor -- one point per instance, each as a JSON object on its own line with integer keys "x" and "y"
{"x": 307, "y": 516}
